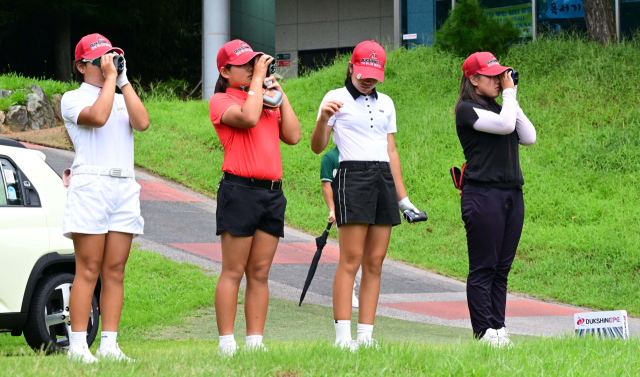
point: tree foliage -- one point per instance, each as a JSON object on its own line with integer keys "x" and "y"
{"x": 468, "y": 29}
{"x": 161, "y": 38}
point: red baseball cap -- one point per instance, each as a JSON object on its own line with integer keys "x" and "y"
{"x": 235, "y": 52}
{"x": 368, "y": 61}
{"x": 93, "y": 46}
{"x": 483, "y": 63}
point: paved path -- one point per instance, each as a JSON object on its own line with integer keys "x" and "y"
{"x": 180, "y": 224}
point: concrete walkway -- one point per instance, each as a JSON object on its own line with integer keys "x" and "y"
{"x": 180, "y": 224}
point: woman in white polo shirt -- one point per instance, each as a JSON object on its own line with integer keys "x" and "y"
{"x": 102, "y": 214}
{"x": 368, "y": 187}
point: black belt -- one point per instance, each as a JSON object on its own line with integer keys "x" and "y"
{"x": 253, "y": 182}
{"x": 364, "y": 165}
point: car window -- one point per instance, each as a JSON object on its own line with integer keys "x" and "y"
{"x": 11, "y": 192}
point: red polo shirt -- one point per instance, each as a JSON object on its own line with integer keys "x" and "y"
{"x": 250, "y": 153}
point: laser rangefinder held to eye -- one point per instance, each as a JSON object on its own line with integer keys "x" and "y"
{"x": 271, "y": 99}
{"x": 118, "y": 61}
{"x": 514, "y": 77}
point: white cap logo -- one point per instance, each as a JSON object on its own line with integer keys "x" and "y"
{"x": 359, "y": 75}
{"x": 373, "y": 55}
{"x": 100, "y": 38}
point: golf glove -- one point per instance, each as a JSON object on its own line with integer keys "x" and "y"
{"x": 405, "y": 204}
{"x": 122, "y": 80}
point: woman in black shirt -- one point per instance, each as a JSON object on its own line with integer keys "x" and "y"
{"x": 492, "y": 203}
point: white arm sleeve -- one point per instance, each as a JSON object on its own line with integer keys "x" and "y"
{"x": 525, "y": 129}
{"x": 499, "y": 124}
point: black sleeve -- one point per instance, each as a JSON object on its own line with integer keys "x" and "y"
{"x": 465, "y": 115}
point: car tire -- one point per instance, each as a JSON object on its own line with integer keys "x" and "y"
{"x": 48, "y": 323}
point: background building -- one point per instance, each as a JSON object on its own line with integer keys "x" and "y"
{"x": 307, "y": 34}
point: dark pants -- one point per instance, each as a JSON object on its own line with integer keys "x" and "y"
{"x": 493, "y": 219}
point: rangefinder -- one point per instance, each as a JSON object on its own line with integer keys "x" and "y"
{"x": 118, "y": 61}
{"x": 515, "y": 76}
{"x": 412, "y": 217}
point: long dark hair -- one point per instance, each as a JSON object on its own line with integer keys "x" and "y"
{"x": 222, "y": 84}
{"x": 468, "y": 94}
{"x": 348, "y": 79}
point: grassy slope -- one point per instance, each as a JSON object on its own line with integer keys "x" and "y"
{"x": 13, "y": 81}
{"x": 580, "y": 242}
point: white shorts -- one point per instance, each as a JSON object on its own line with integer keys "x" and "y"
{"x": 97, "y": 204}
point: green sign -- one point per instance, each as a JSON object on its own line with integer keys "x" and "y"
{"x": 283, "y": 57}
{"x": 520, "y": 15}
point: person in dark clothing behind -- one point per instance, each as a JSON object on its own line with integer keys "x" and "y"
{"x": 492, "y": 203}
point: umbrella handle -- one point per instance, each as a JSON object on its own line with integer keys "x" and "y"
{"x": 329, "y": 225}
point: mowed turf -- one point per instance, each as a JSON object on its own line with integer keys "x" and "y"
{"x": 541, "y": 357}
{"x": 580, "y": 239}
{"x": 166, "y": 302}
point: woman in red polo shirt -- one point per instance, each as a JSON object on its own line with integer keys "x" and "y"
{"x": 251, "y": 205}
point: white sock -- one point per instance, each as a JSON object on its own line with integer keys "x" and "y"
{"x": 343, "y": 330}
{"x": 364, "y": 332}
{"x": 254, "y": 340}
{"x": 78, "y": 338}
{"x": 108, "y": 339}
{"x": 226, "y": 340}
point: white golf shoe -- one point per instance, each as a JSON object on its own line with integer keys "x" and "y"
{"x": 257, "y": 347}
{"x": 347, "y": 344}
{"x": 490, "y": 338}
{"x": 228, "y": 350}
{"x": 113, "y": 352}
{"x": 81, "y": 353}
{"x": 503, "y": 338}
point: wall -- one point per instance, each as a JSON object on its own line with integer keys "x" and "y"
{"x": 303, "y": 25}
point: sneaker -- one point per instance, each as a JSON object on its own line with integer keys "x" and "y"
{"x": 354, "y": 300}
{"x": 258, "y": 347}
{"x": 503, "y": 338}
{"x": 228, "y": 350}
{"x": 369, "y": 343}
{"x": 114, "y": 353}
{"x": 490, "y": 338}
{"x": 350, "y": 345}
{"x": 81, "y": 353}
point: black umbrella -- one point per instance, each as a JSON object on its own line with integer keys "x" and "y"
{"x": 320, "y": 243}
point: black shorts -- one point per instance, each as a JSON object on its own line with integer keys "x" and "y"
{"x": 364, "y": 192}
{"x": 243, "y": 209}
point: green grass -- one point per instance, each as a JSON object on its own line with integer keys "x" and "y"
{"x": 168, "y": 326}
{"x": 580, "y": 240}
{"x": 543, "y": 357}
{"x": 286, "y": 322}
{"x": 14, "y": 81}
{"x": 158, "y": 293}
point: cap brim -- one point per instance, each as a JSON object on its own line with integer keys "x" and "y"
{"x": 368, "y": 73}
{"x": 494, "y": 70}
{"x": 244, "y": 58}
{"x": 101, "y": 51}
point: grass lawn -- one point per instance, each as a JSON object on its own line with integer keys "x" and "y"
{"x": 580, "y": 240}
{"x": 168, "y": 326}
{"x": 543, "y": 357}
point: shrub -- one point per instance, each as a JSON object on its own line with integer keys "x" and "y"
{"x": 468, "y": 29}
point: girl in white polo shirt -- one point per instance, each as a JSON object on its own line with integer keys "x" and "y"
{"x": 102, "y": 214}
{"x": 368, "y": 187}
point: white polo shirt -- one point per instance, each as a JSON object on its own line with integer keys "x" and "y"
{"x": 110, "y": 146}
{"x": 361, "y": 127}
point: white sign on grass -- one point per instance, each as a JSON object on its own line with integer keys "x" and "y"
{"x": 613, "y": 324}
